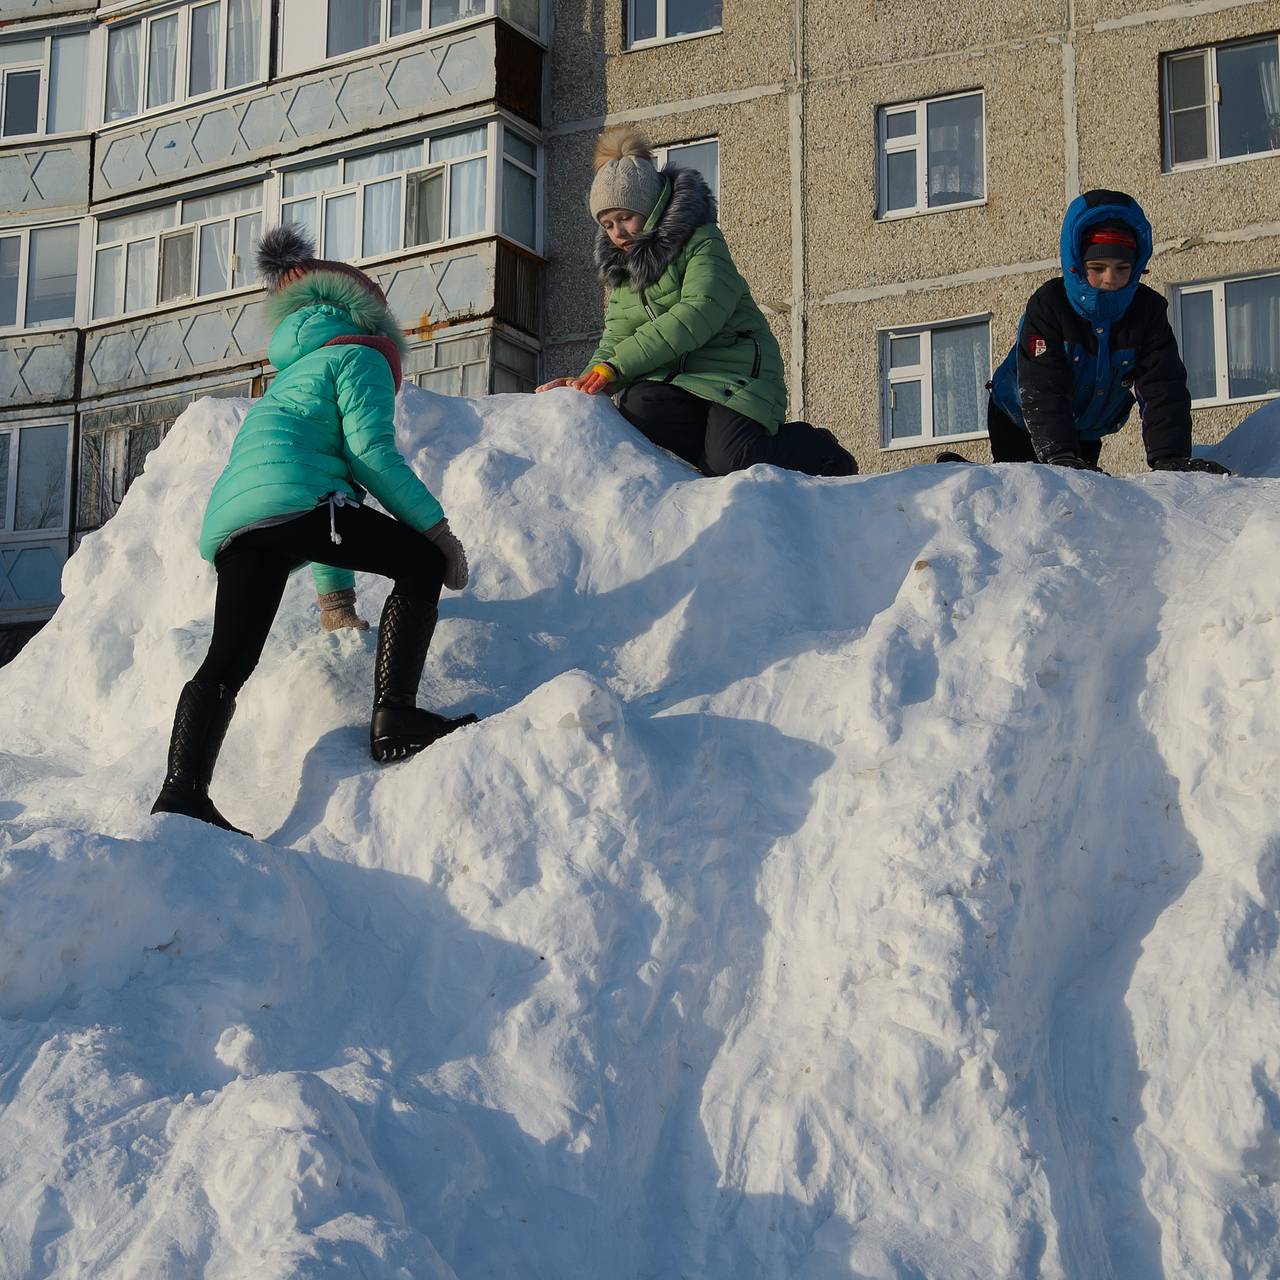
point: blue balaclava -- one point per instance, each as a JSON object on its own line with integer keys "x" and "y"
{"x": 1089, "y": 210}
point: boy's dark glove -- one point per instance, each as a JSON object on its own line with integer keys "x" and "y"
{"x": 1074, "y": 461}
{"x": 455, "y": 558}
{"x": 338, "y": 610}
{"x": 1206, "y": 465}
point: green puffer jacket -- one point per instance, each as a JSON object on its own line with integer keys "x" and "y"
{"x": 325, "y": 425}
{"x": 681, "y": 313}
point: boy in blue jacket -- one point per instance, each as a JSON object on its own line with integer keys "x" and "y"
{"x": 291, "y": 493}
{"x": 1089, "y": 342}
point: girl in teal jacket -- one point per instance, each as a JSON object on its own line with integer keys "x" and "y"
{"x": 291, "y": 493}
{"x": 684, "y": 344}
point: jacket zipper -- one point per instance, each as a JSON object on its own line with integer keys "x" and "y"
{"x": 648, "y": 310}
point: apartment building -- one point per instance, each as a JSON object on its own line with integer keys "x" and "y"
{"x": 892, "y": 179}
{"x": 143, "y": 148}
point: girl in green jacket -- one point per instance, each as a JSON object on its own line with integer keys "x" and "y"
{"x": 685, "y": 346}
{"x": 291, "y": 492}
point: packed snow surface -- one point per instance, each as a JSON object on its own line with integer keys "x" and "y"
{"x": 866, "y": 878}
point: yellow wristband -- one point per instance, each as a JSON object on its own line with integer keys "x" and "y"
{"x": 605, "y": 371}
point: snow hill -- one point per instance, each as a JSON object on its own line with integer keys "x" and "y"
{"x": 869, "y": 878}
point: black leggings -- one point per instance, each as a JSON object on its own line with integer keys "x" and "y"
{"x": 1011, "y": 443}
{"x": 712, "y": 438}
{"x": 253, "y": 570}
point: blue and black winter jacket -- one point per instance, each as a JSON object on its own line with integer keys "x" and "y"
{"x": 1083, "y": 354}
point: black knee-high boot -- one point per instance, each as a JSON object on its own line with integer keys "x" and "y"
{"x": 199, "y": 726}
{"x": 399, "y": 728}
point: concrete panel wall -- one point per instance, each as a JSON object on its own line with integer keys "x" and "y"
{"x": 44, "y": 178}
{"x": 38, "y": 367}
{"x": 431, "y": 76}
{"x": 424, "y": 291}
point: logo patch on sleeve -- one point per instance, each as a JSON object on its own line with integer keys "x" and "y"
{"x": 1038, "y": 345}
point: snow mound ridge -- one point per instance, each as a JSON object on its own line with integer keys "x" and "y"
{"x": 872, "y": 878}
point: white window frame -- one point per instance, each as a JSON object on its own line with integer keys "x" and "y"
{"x": 491, "y": 153}
{"x": 45, "y": 67}
{"x": 921, "y": 372}
{"x": 9, "y": 536}
{"x": 502, "y": 160}
{"x": 24, "y": 265}
{"x": 918, "y": 141}
{"x": 182, "y": 71}
{"x": 661, "y": 37}
{"x": 1208, "y": 52}
{"x": 662, "y": 155}
{"x": 158, "y": 237}
{"x": 1217, "y": 290}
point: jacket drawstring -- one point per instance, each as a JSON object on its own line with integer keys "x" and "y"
{"x": 335, "y": 500}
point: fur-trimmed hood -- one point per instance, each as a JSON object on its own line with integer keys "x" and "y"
{"x": 689, "y": 206}
{"x": 318, "y": 288}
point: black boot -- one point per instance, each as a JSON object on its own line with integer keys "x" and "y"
{"x": 399, "y": 729}
{"x": 199, "y": 726}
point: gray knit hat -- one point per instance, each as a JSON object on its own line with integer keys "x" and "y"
{"x": 626, "y": 177}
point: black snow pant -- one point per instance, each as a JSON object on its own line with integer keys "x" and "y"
{"x": 1010, "y": 443}
{"x": 717, "y": 440}
{"x": 254, "y": 567}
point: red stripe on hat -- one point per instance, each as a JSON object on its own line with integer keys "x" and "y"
{"x": 1112, "y": 235}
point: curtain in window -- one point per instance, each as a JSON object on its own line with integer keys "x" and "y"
{"x": 4, "y": 479}
{"x": 1269, "y": 82}
{"x": 955, "y": 150}
{"x": 106, "y": 281}
{"x": 1245, "y": 74}
{"x": 443, "y": 11}
{"x": 248, "y": 229}
{"x": 51, "y": 274}
{"x": 961, "y": 367}
{"x": 406, "y": 16}
{"x": 123, "y": 52}
{"x": 203, "y": 74}
{"x": 214, "y": 271}
{"x": 244, "y": 22}
{"x": 340, "y": 227}
{"x": 10, "y": 256}
{"x": 467, "y": 196}
{"x": 140, "y": 275}
{"x": 1197, "y": 344}
{"x": 1253, "y": 336}
{"x": 68, "y": 75}
{"x": 162, "y": 61}
{"x": 353, "y": 24}
{"x": 381, "y": 232}
{"x": 42, "y": 477}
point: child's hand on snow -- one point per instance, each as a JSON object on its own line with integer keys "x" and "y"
{"x": 553, "y": 384}
{"x": 597, "y": 378}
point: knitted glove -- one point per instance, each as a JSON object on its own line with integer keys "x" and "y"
{"x": 1074, "y": 461}
{"x": 1206, "y": 465}
{"x": 455, "y": 558}
{"x": 597, "y": 378}
{"x": 338, "y": 610}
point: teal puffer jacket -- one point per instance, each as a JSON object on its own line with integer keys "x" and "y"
{"x": 325, "y": 425}
{"x": 680, "y": 312}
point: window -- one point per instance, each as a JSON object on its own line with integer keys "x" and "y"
{"x": 38, "y": 276}
{"x": 932, "y": 155}
{"x": 519, "y": 189}
{"x": 185, "y": 53}
{"x": 195, "y": 247}
{"x": 1222, "y": 103}
{"x": 33, "y": 477}
{"x": 704, "y": 156}
{"x": 42, "y": 85}
{"x": 934, "y": 382}
{"x": 651, "y": 21}
{"x": 1229, "y": 333}
{"x": 414, "y": 194}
